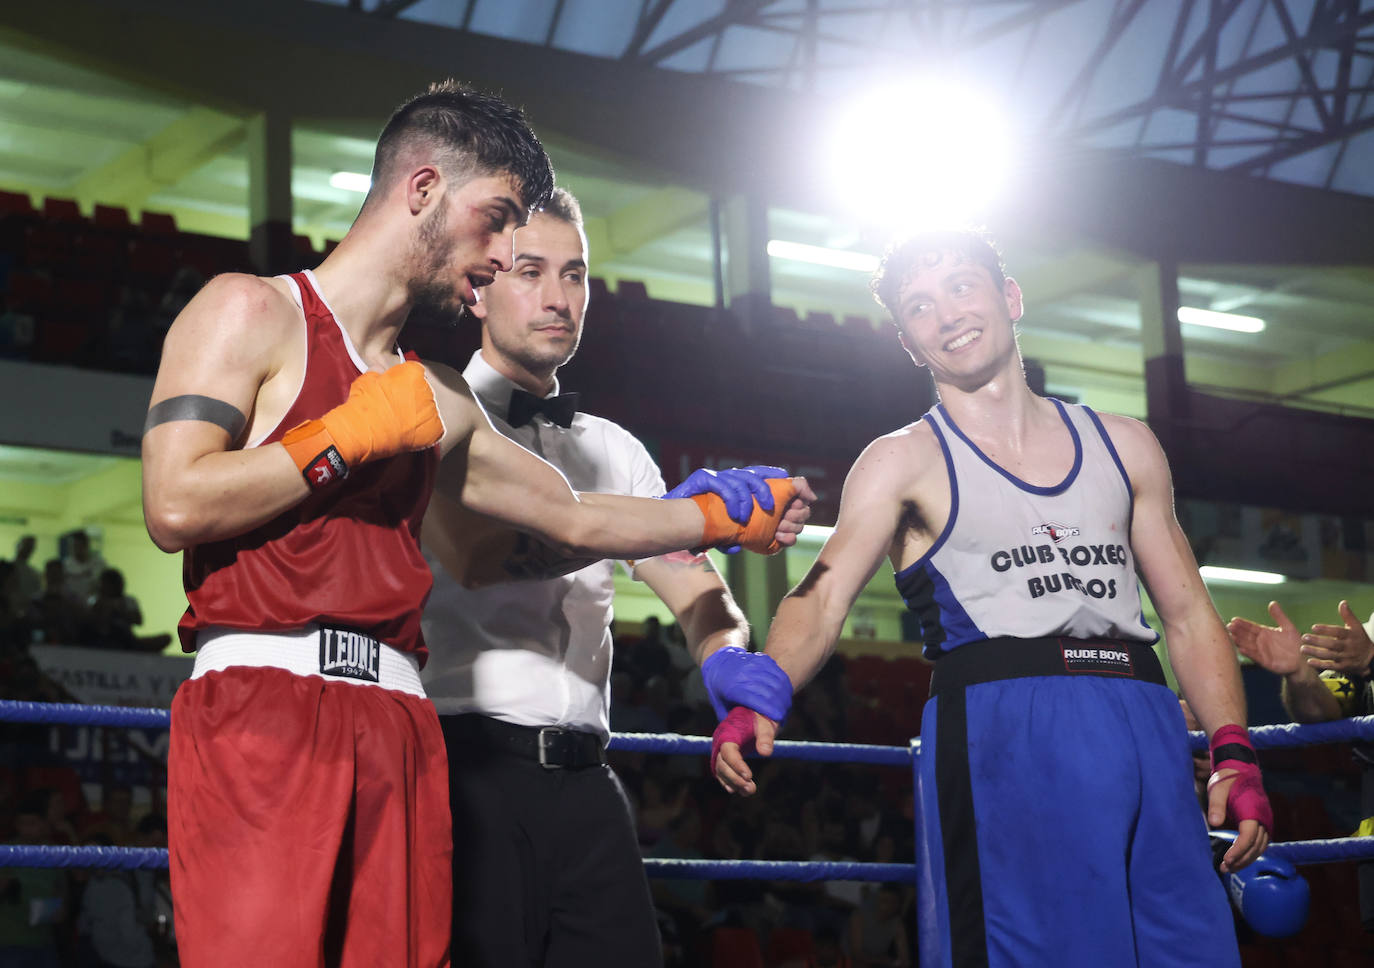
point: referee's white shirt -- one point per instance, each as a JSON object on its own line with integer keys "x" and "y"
{"x": 536, "y": 653}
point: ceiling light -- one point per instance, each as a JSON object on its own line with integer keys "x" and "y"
{"x": 919, "y": 152}
{"x": 351, "y": 181}
{"x": 1213, "y": 573}
{"x": 818, "y": 255}
{"x": 1216, "y": 320}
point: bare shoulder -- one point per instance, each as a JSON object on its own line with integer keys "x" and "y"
{"x": 232, "y": 336}
{"x": 1135, "y": 443}
{"x": 900, "y": 460}
{"x": 239, "y": 311}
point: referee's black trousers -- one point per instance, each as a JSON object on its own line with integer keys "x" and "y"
{"x": 547, "y": 871}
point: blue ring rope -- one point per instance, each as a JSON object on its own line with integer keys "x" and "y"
{"x": 138, "y": 858}
{"x": 1299, "y": 852}
{"x": 1284, "y": 735}
{"x": 81, "y": 715}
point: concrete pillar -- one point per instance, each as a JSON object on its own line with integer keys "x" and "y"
{"x": 747, "y": 281}
{"x": 269, "y": 193}
{"x": 1166, "y": 385}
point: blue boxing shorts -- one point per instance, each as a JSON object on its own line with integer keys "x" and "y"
{"x": 1059, "y": 826}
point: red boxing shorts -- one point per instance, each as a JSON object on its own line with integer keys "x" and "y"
{"x": 308, "y": 815}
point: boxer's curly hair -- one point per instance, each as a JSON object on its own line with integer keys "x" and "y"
{"x": 928, "y": 249}
{"x": 471, "y": 134}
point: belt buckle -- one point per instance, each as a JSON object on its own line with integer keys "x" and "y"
{"x": 544, "y": 732}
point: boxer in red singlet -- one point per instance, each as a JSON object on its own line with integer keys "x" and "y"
{"x": 290, "y": 451}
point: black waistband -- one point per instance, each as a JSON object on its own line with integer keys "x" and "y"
{"x": 1009, "y": 658}
{"x": 552, "y": 747}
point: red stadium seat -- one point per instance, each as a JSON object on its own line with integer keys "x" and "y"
{"x": 632, "y": 289}
{"x": 735, "y": 948}
{"x": 28, "y": 290}
{"x": 15, "y": 203}
{"x": 790, "y": 945}
{"x": 62, "y": 210}
{"x": 60, "y": 340}
{"x": 111, "y": 217}
{"x": 158, "y": 223}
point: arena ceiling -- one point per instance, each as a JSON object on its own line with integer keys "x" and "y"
{"x": 1238, "y": 132}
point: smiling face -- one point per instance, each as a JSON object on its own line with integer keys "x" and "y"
{"x": 955, "y": 318}
{"x": 532, "y": 315}
{"x": 462, "y": 242}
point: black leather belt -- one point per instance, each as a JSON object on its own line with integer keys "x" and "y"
{"x": 552, "y": 747}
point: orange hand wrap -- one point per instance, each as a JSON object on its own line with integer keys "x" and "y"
{"x": 385, "y": 414}
{"x": 757, "y": 534}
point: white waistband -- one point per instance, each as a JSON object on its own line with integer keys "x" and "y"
{"x": 303, "y": 653}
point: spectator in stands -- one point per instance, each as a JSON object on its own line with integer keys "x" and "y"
{"x": 28, "y": 585}
{"x": 185, "y": 284}
{"x": 113, "y": 613}
{"x": 133, "y": 335}
{"x": 82, "y": 566}
{"x": 877, "y": 933}
{"x": 33, "y": 901}
{"x": 59, "y": 817}
{"x": 61, "y": 618}
{"x": 649, "y": 656}
{"x": 1325, "y": 674}
{"x": 114, "y": 819}
{"x": 113, "y": 926}
{"x": 13, "y": 610}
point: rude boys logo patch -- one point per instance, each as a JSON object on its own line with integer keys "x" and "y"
{"x": 1056, "y": 532}
{"x": 1097, "y": 658}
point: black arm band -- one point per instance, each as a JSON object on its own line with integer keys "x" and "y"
{"x": 193, "y": 406}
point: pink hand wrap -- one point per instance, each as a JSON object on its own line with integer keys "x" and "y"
{"x": 737, "y": 727}
{"x": 1246, "y": 800}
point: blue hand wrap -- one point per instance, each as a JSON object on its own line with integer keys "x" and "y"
{"x": 738, "y": 487}
{"x": 736, "y": 677}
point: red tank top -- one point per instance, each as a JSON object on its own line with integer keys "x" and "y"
{"x": 348, "y": 555}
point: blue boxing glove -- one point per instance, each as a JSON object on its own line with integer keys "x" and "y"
{"x": 1269, "y": 893}
{"x": 737, "y": 677}
{"x": 738, "y": 487}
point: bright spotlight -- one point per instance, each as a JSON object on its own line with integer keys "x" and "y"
{"x": 929, "y": 153}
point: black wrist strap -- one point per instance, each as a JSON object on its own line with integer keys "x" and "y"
{"x": 1233, "y": 751}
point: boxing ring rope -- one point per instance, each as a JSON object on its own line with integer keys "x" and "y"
{"x": 1360, "y": 728}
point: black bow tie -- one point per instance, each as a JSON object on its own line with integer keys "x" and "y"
{"x": 523, "y": 407}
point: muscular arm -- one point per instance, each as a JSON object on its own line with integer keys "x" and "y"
{"x": 698, "y": 598}
{"x": 811, "y": 616}
{"x": 224, "y": 345}
{"x": 494, "y": 476}
{"x": 1199, "y": 649}
{"x": 809, "y": 619}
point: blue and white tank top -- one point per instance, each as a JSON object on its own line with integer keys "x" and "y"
{"x": 1019, "y": 560}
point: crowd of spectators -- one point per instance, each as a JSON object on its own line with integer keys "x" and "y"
{"x": 58, "y": 918}
{"x": 77, "y": 599}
